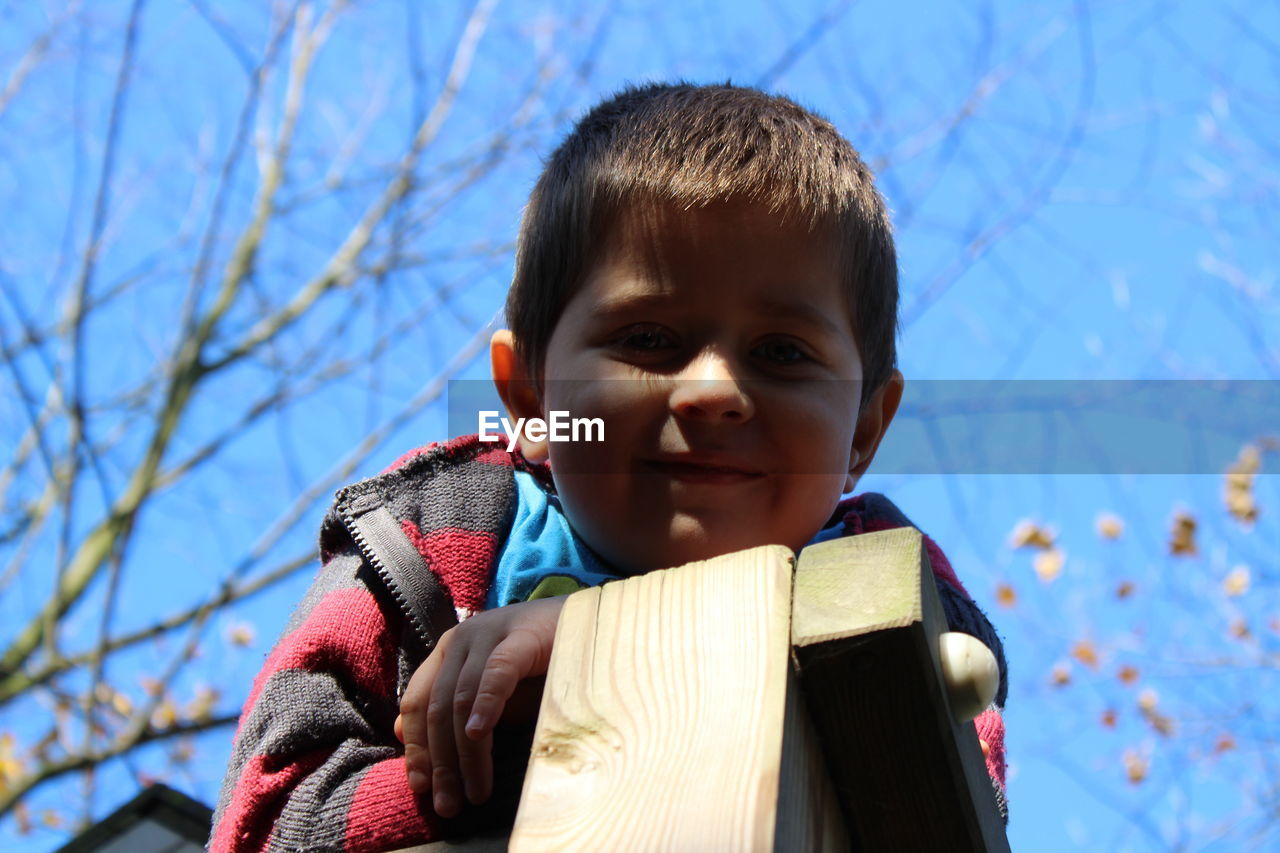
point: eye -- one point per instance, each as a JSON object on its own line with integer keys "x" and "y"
{"x": 782, "y": 352}
{"x": 644, "y": 339}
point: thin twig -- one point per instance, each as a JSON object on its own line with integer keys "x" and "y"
{"x": 34, "y": 55}
{"x": 19, "y": 788}
{"x": 78, "y": 432}
{"x": 228, "y": 594}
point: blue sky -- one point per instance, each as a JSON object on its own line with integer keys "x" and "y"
{"x": 1081, "y": 191}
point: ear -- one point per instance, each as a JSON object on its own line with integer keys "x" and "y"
{"x": 873, "y": 423}
{"x": 518, "y": 390}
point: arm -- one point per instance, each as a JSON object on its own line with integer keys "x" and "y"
{"x": 458, "y": 695}
{"x": 315, "y": 762}
{"x": 990, "y": 726}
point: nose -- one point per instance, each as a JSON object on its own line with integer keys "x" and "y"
{"x": 710, "y": 388}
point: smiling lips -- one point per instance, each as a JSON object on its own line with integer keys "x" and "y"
{"x": 699, "y": 468}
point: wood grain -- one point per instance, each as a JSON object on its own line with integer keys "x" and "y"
{"x": 661, "y": 723}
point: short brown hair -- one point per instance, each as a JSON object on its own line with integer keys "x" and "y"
{"x": 693, "y": 146}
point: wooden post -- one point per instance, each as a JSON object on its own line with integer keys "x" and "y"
{"x": 865, "y": 629}
{"x": 662, "y": 720}
{"x": 673, "y": 717}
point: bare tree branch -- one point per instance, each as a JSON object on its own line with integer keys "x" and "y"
{"x": 21, "y": 787}
{"x": 229, "y": 594}
{"x": 34, "y": 55}
{"x": 239, "y": 316}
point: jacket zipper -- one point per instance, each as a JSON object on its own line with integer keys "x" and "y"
{"x": 403, "y": 570}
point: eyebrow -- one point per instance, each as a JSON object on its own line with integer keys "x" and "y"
{"x": 635, "y": 301}
{"x": 802, "y": 311}
{"x": 638, "y": 301}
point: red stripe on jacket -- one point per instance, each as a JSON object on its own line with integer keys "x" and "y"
{"x": 326, "y": 640}
{"x": 345, "y": 633}
{"x": 384, "y": 813}
{"x": 454, "y": 554}
{"x": 261, "y": 793}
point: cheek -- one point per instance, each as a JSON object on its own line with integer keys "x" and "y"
{"x": 619, "y": 402}
{"x": 601, "y": 512}
{"x": 596, "y": 464}
{"x": 812, "y": 438}
{"x": 631, "y": 413}
{"x": 807, "y": 506}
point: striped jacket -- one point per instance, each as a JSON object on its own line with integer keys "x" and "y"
{"x": 315, "y": 764}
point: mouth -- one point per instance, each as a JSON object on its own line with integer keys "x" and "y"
{"x": 715, "y": 470}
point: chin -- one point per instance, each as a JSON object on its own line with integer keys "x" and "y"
{"x": 687, "y": 540}
{"x": 703, "y": 546}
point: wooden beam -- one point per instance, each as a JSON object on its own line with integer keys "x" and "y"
{"x": 865, "y": 628}
{"x": 672, "y": 720}
{"x": 662, "y": 720}
{"x": 809, "y": 815}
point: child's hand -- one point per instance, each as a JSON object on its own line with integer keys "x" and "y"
{"x": 457, "y": 695}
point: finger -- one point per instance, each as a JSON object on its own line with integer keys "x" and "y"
{"x": 413, "y": 730}
{"x": 445, "y": 781}
{"x": 398, "y": 728}
{"x": 475, "y": 755}
{"x": 508, "y": 664}
{"x": 476, "y": 759}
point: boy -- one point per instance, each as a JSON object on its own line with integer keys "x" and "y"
{"x": 708, "y": 270}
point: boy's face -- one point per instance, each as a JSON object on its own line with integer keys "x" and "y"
{"x": 717, "y": 348}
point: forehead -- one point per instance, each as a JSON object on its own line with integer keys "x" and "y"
{"x": 641, "y": 232}
{"x": 658, "y": 248}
